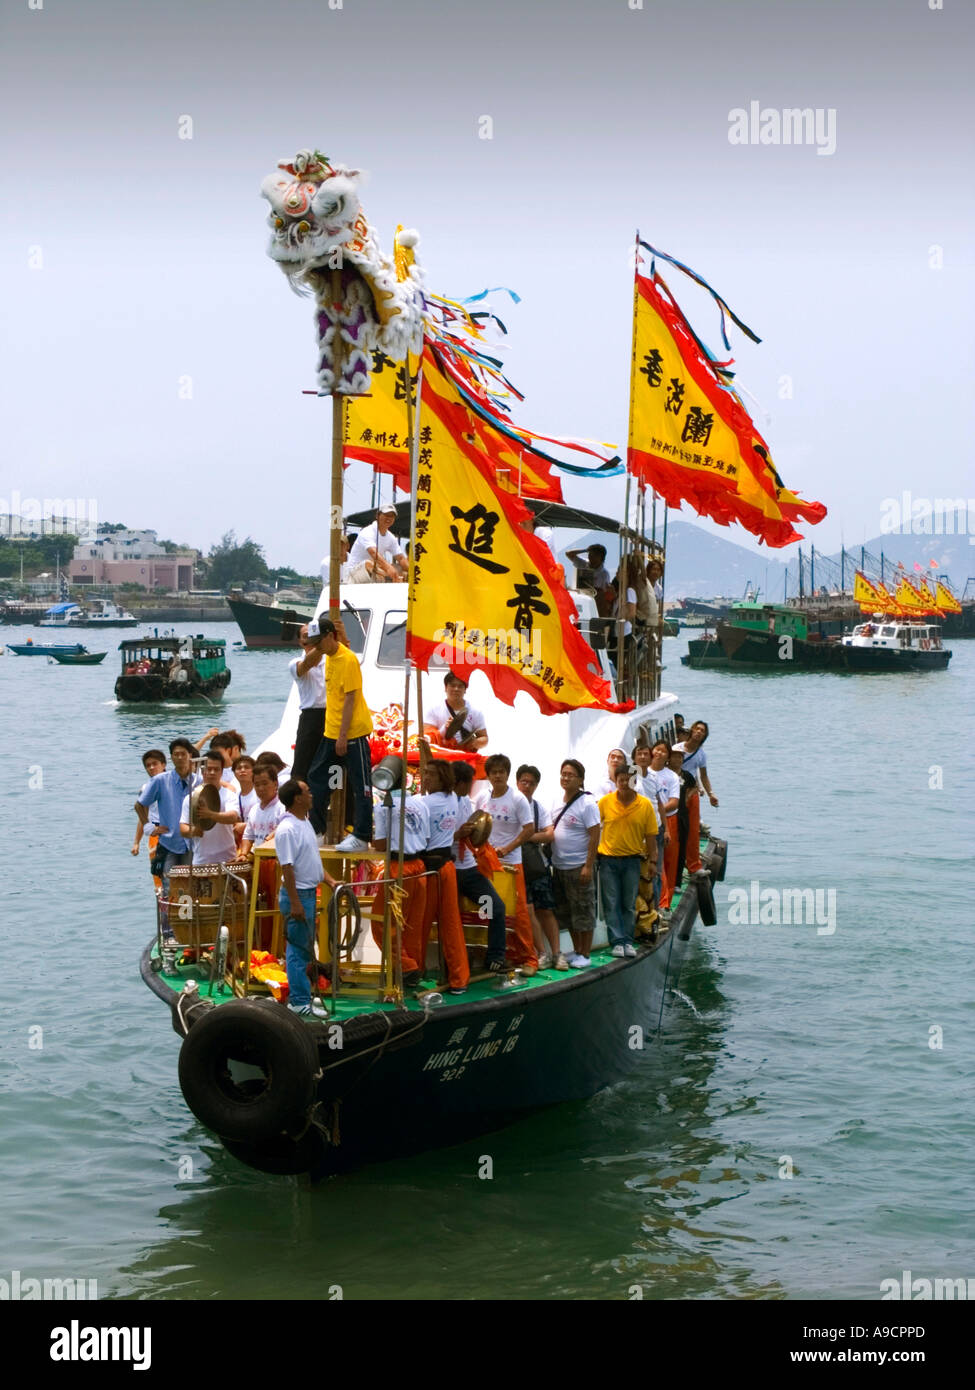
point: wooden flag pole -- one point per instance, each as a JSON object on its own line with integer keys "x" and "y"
{"x": 338, "y": 444}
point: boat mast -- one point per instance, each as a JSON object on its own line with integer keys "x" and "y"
{"x": 338, "y": 442}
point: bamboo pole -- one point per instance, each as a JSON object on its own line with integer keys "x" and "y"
{"x": 338, "y": 443}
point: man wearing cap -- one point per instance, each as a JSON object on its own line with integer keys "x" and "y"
{"x": 377, "y": 555}
{"x": 343, "y": 755}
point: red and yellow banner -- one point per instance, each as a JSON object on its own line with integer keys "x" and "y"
{"x": 945, "y": 599}
{"x": 691, "y": 438}
{"x": 868, "y": 595}
{"x": 376, "y": 425}
{"x": 485, "y": 592}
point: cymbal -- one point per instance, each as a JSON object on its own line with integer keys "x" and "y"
{"x": 481, "y": 828}
{"x": 206, "y": 797}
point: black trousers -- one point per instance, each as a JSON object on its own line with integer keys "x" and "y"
{"x": 353, "y": 770}
{"x": 311, "y": 731}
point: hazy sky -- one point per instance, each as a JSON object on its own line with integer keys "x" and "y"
{"x": 152, "y": 265}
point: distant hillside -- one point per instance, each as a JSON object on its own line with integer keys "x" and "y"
{"x": 703, "y": 565}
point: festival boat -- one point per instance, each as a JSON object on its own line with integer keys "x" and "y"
{"x": 172, "y": 668}
{"x": 396, "y": 1066}
{"x": 778, "y": 637}
{"x": 392, "y": 1070}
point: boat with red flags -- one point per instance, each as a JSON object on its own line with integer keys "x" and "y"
{"x": 393, "y": 1059}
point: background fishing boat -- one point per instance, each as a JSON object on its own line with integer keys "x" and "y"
{"x": 172, "y": 668}
{"x": 45, "y": 648}
{"x": 83, "y": 658}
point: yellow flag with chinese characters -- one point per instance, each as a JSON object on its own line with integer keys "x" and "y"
{"x": 691, "y": 438}
{"x": 484, "y": 591}
{"x": 945, "y": 599}
{"x": 376, "y": 425}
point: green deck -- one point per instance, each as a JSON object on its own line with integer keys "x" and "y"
{"x": 349, "y": 1005}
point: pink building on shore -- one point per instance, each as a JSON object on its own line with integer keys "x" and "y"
{"x": 132, "y": 557}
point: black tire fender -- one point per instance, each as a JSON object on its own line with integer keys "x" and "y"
{"x": 132, "y": 688}
{"x": 718, "y": 860}
{"x": 261, "y": 1034}
{"x": 705, "y": 900}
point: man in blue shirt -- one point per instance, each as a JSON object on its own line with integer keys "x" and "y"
{"x": 167, "y": 790}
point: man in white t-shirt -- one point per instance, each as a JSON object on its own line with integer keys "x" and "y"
{"x": 214, "y": 844}
{"x": 377, "y": 555}
{"x": 512, "y": 824}
{"x": 593, "y": 574}
{"x": 415, "y": 820}
{"x": 668, "y": 800}
{"x": 575, "y": 841}
{"x": 538, "y": 889}
{"x": 614, "y": 759}
{"x": 262, "y": 819}
{"x": 301, "y": 873}
{"x": 308, "y": 674}
{"x": 325, "y": 567}
{"x": 472, "y": 883}
{"x": 454, "y": 723}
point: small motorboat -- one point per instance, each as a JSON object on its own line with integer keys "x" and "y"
{"x": 46, "y": 648}
{"x": 81, "y": 658}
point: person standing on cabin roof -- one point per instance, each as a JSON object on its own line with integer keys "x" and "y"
{"x": 629, "y": 837}
{"x": 301, "y": 873}
{"x": 343, "y": 757}
{"x": 511, "y": 825}
{"x": 454, "y": 723}
{"x": 377, "y": 555}
{"x": 594, "y": 575}
{"x": 308, "y": 674}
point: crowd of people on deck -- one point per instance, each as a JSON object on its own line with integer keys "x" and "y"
{"x": 636, "y": 831}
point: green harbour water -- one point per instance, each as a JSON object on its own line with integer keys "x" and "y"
{"x": 801, "y": 1127}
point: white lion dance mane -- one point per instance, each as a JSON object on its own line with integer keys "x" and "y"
{"x": 323, "y": 243}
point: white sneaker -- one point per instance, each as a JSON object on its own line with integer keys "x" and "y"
{"x": 619, "y": 951}
{"x": 578, "y": 962}
{"x": 545, "y": 961}
{"x": 352, "y": 843}
{"x": 628, "y": 950}
{"x": 315, "y": 1009}
{"x": 560, "y": 962}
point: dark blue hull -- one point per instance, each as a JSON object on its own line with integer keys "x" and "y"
{"x": 471, "y": 1070}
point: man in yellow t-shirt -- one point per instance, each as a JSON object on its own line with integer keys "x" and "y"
{"x": 343, "y": 754}
{"x": 628, "y": 836}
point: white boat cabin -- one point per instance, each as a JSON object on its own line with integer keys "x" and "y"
{"x": 375, "y": 621}
{"x": 895, "y": 635}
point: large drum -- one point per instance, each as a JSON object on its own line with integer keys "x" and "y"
{"x": 195, "y": 895}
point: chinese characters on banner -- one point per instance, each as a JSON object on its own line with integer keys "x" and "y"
{"x": 376, "y": 425}
{"x": 691, "y": 438}
{"x": 486, "y": 592}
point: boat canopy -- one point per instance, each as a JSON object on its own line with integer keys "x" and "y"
{"x": 548, "y": 513}
{"x": 60, "y": 608}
